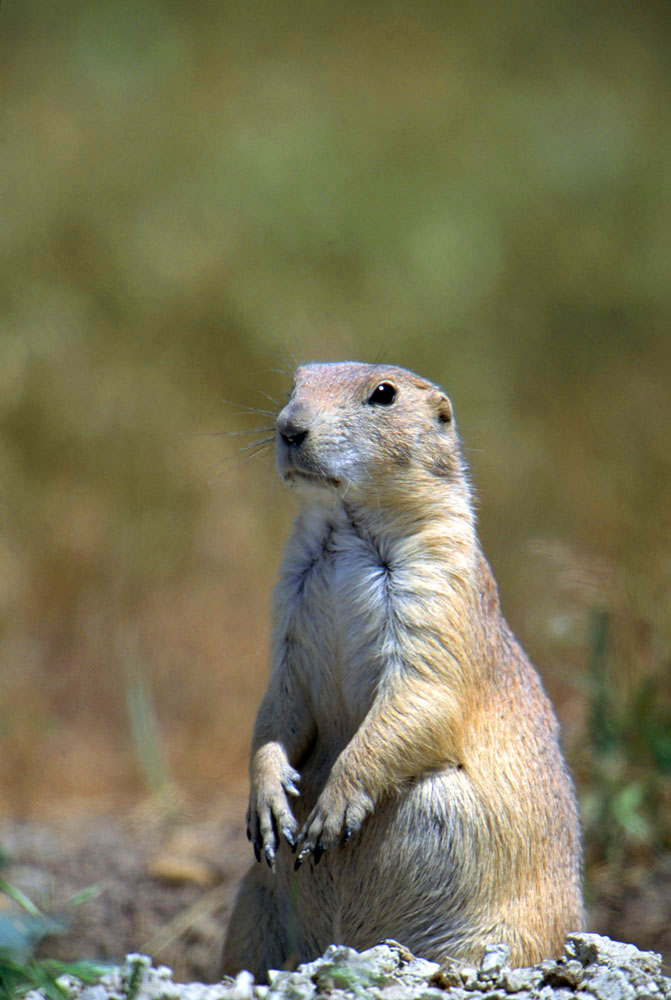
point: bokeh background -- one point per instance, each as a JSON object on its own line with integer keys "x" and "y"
{"x": 194, "y": 198}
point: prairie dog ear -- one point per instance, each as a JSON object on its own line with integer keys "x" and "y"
{"x": 442, "y": 407}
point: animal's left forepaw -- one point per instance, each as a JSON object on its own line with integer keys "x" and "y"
{"x": 333, "y": 821}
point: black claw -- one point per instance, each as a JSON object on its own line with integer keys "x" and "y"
{"x": 249, "y": 834}
{"x": 257, "y": 844}
{"x": 289, "y": 837}
{"x": 347, "y": 834}
{"x": 269, "y": 855}
{"x": 257, "y": 839}
{"x": 302, "y": 855}
{"x": 318, "y": 852}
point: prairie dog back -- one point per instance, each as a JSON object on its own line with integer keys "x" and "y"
{"x": 404, "y": 748}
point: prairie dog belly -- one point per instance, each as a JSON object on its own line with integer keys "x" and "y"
{"x": 420, "y": 831}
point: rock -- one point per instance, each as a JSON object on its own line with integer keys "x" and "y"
{"x": 610, "y": 984}
{"x": 591, "y": 968}
{"x": 469, "y": 977}
{"x": 521, "y": 980}
{"x": 495, "y": 958}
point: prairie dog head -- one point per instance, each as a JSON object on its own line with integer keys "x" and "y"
{"x": 375, "y": 434}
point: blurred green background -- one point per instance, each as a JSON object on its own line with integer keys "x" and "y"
{"x": 196, "y": 196}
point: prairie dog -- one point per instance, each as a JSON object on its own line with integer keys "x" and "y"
{"x": 435, "y": 806}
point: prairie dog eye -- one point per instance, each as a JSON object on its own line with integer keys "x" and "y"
{"x": 383, "y": 395}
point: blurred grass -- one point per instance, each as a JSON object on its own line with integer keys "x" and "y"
{"x": 21, "y": 929}
{"x": 195, "y": 195}
{"x": 627, "y": 759}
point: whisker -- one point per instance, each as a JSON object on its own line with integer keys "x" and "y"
{"x": 256, "y": 446}
{"x": 299, "y": 347}
{"x": 275, "y": 371}
{"x": 381, "y": 350}
{"x": 291, "y": 354}
{"x": 261, "y": 392}
{"x": 275, "y": 346}
{"x": 254, "y": 430}
{"x": 247, "y": 430}
{"x": 250, "y": 409}
{"x": 294, "y": 358}
{"x": 255, "y": 449}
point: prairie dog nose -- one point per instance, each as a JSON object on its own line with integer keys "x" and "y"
{"x": 291, "y": 431}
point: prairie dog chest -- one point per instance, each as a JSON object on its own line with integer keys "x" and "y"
{"x": 334, "y": 605}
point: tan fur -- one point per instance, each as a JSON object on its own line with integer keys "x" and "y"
{"x": 430, "y": 772}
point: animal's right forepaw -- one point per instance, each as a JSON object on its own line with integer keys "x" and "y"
{"x": 269, "y": 817}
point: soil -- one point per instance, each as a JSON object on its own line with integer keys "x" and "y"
{"x": 165, "y": 885}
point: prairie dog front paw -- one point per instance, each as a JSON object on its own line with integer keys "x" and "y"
{"x": 335, "y": 818}
{"x": 269, "y": 813}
